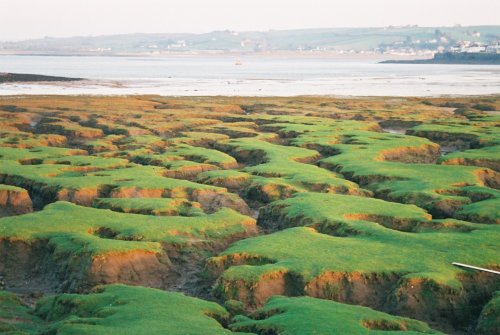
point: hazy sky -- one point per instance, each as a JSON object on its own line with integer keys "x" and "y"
{"x": 21, "y": 19}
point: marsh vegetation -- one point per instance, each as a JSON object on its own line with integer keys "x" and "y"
{"x": 225, "y": 215}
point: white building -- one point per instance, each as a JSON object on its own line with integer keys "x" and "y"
{"x": 494, "y": 48}
{"x": 467, "y": 46}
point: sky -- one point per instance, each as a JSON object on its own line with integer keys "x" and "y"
{"x": 25, "y": 19}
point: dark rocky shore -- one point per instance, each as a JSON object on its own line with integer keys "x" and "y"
{"x": 454, "y": 58}
{"x": 25, "y": 77}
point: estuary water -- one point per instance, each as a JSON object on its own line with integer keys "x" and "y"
{"x": 254, "y": 76}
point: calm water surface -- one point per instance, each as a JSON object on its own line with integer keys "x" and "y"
{"x": 261, "y": 76}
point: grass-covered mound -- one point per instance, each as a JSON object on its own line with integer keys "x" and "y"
{"x": 364, "y": 260}
{"x": 77, "y": 247}
{"x": 304, "y": 315}
{"x": 459, "y": 134}
{"x": 486, "y": 211}
{"x": 16, "y": 317}
{"x": 151, "y": 206}
{"x": 231, "y": 179}
{"x": 181, "y": 163}
{"x": 119, "y": 309}
{"x": 341, "y": 215}
{"x": 479, "y": 134}
{"x": 488, "y": 157}
{"x": 67, "y": 128}
{"x": 489, "y": 321}
{"x": 285, "y": 165}
{"x": 14, "y": 138}
{"x": 36, "y": 155}
{"x": 113, "y": 309}
{"x": 186, "y": 161}
{"x": 81, "y": 180}
{"x": 396, "y": 167}
{"x": 125, "y": 309}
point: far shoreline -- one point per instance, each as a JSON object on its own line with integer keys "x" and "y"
{"x": 375, "y": 57}
{"x": 332, "y": 96}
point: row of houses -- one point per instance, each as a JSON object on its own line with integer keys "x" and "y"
{"x": 474, "y": 47}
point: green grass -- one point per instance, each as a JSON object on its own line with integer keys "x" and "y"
{"x": 323, "y": 166}
{"x": 316, "y": 132}
{"x": 73, "y": 229}
{"x": 307, "y": 316}
{"x": 150, "y": 177}
{"x": 149, "y": 141}
{"x": 438, "y": 188}
{"x": 193, "y": 137}
{"x": 230, "y": 130}
{"x": 103, "y": 144}
{"x": 335, "y": 213}
{"x": 11, "y": 188}
{"x": 92, "y": 162}
{"x": 489, "y": 321}
{"x": 487, "y": 156}
{"x": 134, "y": 177}
{"x": 306, "y": 254}
{"x": 366, "y": 246}
{"x": 395, "y": 167}
{"x": 17, "y": 139}
{"x": 185, "y": 159}
{"x": 218, "y": 177}
{"x": 487, "y": 211}
{"x": 204, "y": 155}
{"x": 129, "y": 310}
{"x": 285, "y": 162}
{"x": 183, "y": 169}
{"x": 152, "y": 206}
{"x": 37, "y": 153}
{"x": 480, "y": 133}
{"x": 16, "y": 317}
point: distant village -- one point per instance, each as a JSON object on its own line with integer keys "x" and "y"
{"x": 475, "y": 47}
{"x": 402, "y": 48}
{"x": 397, "y": 48}
{"x": 405, "y": 41}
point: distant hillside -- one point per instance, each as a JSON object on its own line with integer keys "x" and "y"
{"x": 388, "y": 39}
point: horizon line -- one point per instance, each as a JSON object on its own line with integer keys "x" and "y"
{"x": 246, "y": 31}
